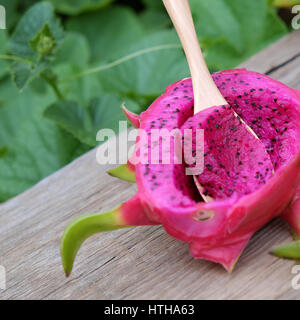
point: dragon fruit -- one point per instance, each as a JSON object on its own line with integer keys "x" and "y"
{"x": 220, "y": 229}
{"x": 292, "y": 213}
{"x": 236, "y": 162}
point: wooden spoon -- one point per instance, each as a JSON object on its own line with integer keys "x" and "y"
{"x": 206, "y": 93}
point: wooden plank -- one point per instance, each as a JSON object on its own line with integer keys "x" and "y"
{"x": 137, "y": 263}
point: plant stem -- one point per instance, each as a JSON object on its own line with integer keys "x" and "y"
{"x": 121, "y": 60}
{"x": 14, "y": 58}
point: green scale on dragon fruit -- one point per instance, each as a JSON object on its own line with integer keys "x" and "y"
{"x": 218, "y": 230}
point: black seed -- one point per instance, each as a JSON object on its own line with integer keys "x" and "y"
{"x": 209, "y": 166}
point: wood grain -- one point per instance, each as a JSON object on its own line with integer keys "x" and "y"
{"x": 136, "y": 263}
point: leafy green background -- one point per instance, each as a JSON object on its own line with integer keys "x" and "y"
{"x": 66, "y": 66}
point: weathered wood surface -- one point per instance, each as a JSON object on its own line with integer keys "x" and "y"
{"x": 137, "y": 263}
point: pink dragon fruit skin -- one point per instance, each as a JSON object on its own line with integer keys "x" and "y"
{"x": 275, "y": 120}
{"x": 218, "y": 230}
{"x": 292, "y": 213}
{"x": 133, "y": 118}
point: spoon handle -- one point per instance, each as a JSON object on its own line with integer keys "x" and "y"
{"x": 206, "y": 93}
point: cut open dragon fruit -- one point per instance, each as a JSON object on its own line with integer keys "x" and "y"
{"x": 246, "y": 192}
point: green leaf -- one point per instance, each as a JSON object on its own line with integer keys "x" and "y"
{"x": 31, "y": 146}
{"x": 67, "y": 54}
{"x": 154, "y": 4}
{"x": 84, "y": 122}
{"x": 35, "y": 40}
{"x": 12, "y": 14}
{"x": 17, "y": 108}
{"x": 23, "y": 73}
{"x": 110, "y": 32}
{"x": 39, "y": 149}
{"x": 3, "y": 49}
{"x": 74, "y": 7}
{"x": 159, "y": 61}
{"x": 82, "y": 89}
{"x": 154, "y": 20}
{"x": 232, "y": 30}
{"x": 36, "y": 25}
{"x": 273, "y": 28}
